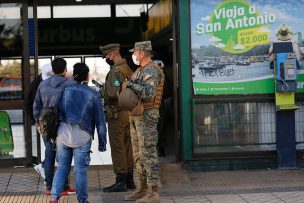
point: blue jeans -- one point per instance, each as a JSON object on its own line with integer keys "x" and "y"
{"x": 49, "y": 164}
{"x": 81, "y": 162}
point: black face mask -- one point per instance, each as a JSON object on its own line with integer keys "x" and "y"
{"x": 110, "y": 62}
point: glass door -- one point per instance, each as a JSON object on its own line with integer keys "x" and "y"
{"x": 15, "y": 130}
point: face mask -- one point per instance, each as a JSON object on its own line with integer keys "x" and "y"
{"x": 110, "y": 62}
{"x": 135, "y": 61}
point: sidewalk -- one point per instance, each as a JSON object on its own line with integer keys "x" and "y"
{"x": 177, "y": 186}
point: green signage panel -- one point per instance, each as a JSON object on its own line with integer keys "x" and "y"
{"x": 230, "y": 43}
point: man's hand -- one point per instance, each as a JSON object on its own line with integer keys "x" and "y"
{"x": 37, "y": 127}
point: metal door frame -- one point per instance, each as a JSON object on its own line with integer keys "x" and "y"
{"x": 20, "y": 104}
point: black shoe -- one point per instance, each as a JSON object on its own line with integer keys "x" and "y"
{"x": 119, "y": 186}
{"x": 130, "y": 181}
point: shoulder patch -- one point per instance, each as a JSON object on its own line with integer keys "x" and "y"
{"x": 146, "y": 77}
{"x": 116, "y": 83}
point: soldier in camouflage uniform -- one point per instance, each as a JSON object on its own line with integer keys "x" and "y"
{"x": 118, "y": 120}
{"x": 147, "y": 82}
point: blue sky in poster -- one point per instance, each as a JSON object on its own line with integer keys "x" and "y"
{"x": 290, "y": 12}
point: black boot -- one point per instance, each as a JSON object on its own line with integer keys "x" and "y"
{"x": 130, "y": 181}
{"x": 119, "y": 186}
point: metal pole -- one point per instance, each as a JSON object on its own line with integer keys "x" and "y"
{"x": 35, "y": 16}
{"x": 26, "y": 82}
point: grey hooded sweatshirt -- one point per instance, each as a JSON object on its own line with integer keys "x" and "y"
{"x": 48, "y": 92}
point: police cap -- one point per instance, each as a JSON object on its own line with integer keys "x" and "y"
{"x": 105, "y": 50}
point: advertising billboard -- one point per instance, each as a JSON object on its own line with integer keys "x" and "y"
{"x": 231, "y": 40}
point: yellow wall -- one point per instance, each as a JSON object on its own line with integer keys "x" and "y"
{"x": 160, "y": 17}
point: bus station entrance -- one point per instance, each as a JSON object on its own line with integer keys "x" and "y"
{"x": 33, "y": 33}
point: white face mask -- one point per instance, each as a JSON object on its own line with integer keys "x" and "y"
{"x": 135, "y": 61}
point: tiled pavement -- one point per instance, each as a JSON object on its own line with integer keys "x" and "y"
{"x": 177, "y": 186}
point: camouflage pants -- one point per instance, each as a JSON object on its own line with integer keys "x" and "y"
{"x": 144, "y": 140}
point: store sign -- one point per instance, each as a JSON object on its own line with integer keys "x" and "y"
{"x": 84, "y": 35}
{"x": 230, "y": 43}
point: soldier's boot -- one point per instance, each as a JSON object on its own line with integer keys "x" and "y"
{"x": 130, "y": 181}
{"x": 119, "y": 186}
{"x": 152, "y": 196}
{"x": 140, "y": 192}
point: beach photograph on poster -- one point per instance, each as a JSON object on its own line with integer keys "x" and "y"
{"x": 230, "y": 43}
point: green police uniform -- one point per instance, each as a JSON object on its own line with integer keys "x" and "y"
{"x": 118, "y": 120}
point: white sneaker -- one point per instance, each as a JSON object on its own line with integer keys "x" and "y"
{"x": 39, "y": 169}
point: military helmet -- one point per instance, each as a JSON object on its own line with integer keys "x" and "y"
{"x": 127, "y": 99}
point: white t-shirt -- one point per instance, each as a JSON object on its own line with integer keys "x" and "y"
{"x": 72, "y": 135}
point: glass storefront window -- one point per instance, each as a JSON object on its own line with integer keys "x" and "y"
{"x": 10, "y": 11}
{"x": 234, "y": 127}
{"x": 12, "y": 142}
{"x": 131, "y": 10}
{"x": 10, "y": 30}
{"x": 41, "y": 62}
{"x": 10, "y": 79}
{"x": 44, "y": 11}
{"x": 70, "y": 63}
{"x": 98, "y": 69}
{"x": 34, "y": 141}
{"x": 299, "y": 118}
{"x": 84, "y": 11}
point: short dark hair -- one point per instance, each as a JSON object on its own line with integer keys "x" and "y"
{"x": 80, "y": 72}
{"x": 58, "y": 65}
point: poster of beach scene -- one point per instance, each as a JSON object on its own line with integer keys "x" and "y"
{"x": 230, "y": 43}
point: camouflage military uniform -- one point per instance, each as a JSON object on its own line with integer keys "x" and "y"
{"x": 118, "y": 119}
{"x": 144, "y": 128}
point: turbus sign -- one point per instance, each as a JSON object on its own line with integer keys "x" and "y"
{"x": 230, "y": 43}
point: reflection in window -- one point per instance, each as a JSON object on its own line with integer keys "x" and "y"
{"x": 10, "y": 30}
{"x": 12, "y": 143}
{"x": 10, "y": 79}
{"x": 234, "y": 127}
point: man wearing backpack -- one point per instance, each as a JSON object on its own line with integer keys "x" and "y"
{"x": 47, "y": 96}
{"x": 46, "y": 72}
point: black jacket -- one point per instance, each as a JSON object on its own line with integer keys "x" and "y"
{"x": 30, "y": 97}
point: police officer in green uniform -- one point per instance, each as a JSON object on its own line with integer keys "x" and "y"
{"x": 148, "y": 83}
{"x": 118, "y": 120}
